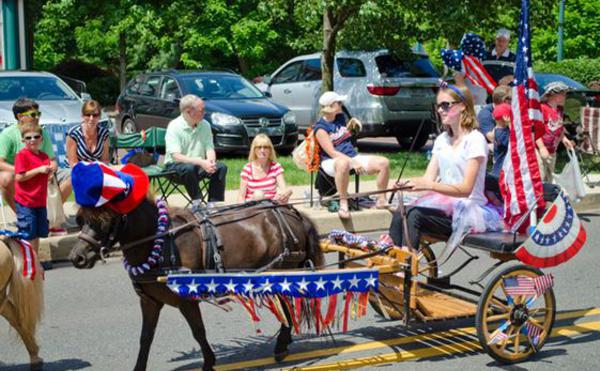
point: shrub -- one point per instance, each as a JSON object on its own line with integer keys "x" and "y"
{"x": 584, "y": 70}
{"x": 104, "y": 89}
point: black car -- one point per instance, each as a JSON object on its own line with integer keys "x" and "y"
{"x": 236, "y": 110}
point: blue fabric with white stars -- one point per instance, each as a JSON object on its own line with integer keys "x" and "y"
{"x": 317, "y": 284}
{"x": 471, "y": 44}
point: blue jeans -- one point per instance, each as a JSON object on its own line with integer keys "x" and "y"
{"x": 32, "y": 221}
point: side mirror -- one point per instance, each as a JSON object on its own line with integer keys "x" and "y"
{"x": 86, "y": 96}
{"x": 267, "y": 94}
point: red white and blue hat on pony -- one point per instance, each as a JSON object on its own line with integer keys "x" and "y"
{"x": 95, "y": 185}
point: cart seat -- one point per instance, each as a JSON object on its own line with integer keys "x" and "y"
{"x": 498, "y": 242}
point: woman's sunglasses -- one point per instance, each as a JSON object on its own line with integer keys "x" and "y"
{"x": 262, "y": 147}
{"x": 94, "y": 115}
{"x": 445, "y": 106}
{"x": 29, "y": 138}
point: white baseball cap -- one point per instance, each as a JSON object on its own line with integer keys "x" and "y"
{"x": 330, "y": 97}
{"x": 503, "y": 32}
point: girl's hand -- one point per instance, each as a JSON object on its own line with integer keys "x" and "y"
{"x": 358, "y": 167}
{"x": 544, "y": 153}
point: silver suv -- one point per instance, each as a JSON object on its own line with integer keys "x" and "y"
{"x": 391, "y": 96}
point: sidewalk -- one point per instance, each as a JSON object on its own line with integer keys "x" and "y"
{"x": 57, "y": 248}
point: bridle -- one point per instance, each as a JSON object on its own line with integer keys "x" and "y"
{"x": 103, "y": 246}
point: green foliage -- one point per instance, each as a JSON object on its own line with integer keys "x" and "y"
{"x": 584, "y": 70}
{"x": 104, "y": 89}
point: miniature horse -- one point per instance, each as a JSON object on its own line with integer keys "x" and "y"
{"x": 251, "y": 238}
{"x": 21, "y": 299}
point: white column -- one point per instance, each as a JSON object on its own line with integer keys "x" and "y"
{"x": 22, "y": 44}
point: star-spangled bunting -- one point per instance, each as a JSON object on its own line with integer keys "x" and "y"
{"x": 301, "y": 285}
{"x": 467, "y": 60}
{"x": 351, "y": 239}
{"x": 558, "y": 236}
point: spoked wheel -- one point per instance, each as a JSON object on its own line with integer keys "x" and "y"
{"x": 506, "y": 322}
{"x": 428, "y": 266}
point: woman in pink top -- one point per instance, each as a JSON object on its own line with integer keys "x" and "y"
{"x": 262, "y": 177}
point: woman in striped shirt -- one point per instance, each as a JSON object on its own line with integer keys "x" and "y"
{"x": 88, "y": 141}
{"x": 262, "y": 177}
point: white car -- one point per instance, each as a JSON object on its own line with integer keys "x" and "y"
{"x": 59, "y": 104}
{"x": 389, "y": 95}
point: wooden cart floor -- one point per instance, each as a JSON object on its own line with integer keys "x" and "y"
{"x": 433, "y": 305}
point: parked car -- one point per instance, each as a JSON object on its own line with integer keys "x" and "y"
{"x": 236, "y": 110}
{"x": 390, "y": 95}
{"x": 59, "y": 104}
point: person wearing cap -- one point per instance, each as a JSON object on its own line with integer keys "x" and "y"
{"x": 190, "y": 151}
{"x": 500, "y": 61}
{"x": 550, "y": 132}
{"x": 485, "y": 117}
{"x": 338, "y": 155}
{"x": 503, "y": 117}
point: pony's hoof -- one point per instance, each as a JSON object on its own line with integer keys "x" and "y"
{"x": 37, "y": 366}
{"x": 279, "y": 357}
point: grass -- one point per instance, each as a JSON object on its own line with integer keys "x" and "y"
{"x": 416, "y": 165}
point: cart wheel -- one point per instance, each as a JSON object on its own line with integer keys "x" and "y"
{"x": 496, "y": 309}
{"x": 427, "y": 263}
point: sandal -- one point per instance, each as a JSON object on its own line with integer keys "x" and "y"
{"x": 343, "y": 213}
{"x": 333, "y": 206}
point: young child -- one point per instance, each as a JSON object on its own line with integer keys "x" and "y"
{"x": 503, "y": 116}
{"x": 549, "y": 135}
{"x": 32, "y": 169}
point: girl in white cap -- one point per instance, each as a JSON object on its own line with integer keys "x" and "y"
{"x": 550, "y": 132}
{"x": 338, "y": 155}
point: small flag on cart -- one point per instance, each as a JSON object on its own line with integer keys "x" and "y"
{"x": 533, "y": 332}
{"x": 520, "y": 285}
{"x": 543, "y": 283}
{"x": 499, "y": 335}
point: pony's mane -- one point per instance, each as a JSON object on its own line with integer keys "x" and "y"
{"x": 96, "y": 215}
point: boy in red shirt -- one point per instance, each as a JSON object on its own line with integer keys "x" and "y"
{"x": 32, "y": 169}
{"x": 549, "y": 135}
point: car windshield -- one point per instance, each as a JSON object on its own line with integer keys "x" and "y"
{"x": 392, "y": 66}
{"x": 39, "y": 88}
{"x": 220, "y": 87}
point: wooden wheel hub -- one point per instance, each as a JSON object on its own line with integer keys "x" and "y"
{"x": 519, "y": 315}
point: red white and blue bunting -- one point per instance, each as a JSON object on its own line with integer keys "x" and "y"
{"x": 316, "y": 300}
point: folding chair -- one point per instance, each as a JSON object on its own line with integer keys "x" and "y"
{"x": 589, "y": 145}
{"x": 161, "y": 178}
{"x": 325, "y": 184}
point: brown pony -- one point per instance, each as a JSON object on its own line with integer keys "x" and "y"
{"x": 21, "y": 299}
{"x": 251, "y": 237}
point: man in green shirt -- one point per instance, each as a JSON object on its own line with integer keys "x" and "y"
{"x": 25, "y": 110}
{"x": 190, "y": 151}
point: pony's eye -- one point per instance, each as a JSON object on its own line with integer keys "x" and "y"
{"x": 79, "y": 220}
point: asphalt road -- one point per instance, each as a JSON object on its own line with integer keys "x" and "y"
{"x": 92, "y": 321}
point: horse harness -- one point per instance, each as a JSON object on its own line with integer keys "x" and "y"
{"x": 214, "y": 245}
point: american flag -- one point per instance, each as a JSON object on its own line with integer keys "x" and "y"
{"x": 520, "y": 180}
{"x": 499, "y": 335}
{"x": 520, "y": 285}
{"x": 543, "y": 283}
{"x": 468, "y": 61}
{"x": 533, "y": 332}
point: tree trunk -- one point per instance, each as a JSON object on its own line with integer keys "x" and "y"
{"x": 122, "y": 60}
{"x": 329, "y": 43}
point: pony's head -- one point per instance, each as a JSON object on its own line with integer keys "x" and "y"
{"x": 99, "y": 229}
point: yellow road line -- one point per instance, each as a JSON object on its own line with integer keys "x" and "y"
{"x": 437, "y": 350}
{"x": 382, "y": 343}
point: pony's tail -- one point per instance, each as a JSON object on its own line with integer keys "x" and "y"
{"x": 314, "y": 247}
{"x": 26, "y": 295}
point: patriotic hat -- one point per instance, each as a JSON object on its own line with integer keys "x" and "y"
{"x": 95, "y": 184}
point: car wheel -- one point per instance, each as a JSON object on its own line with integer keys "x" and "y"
{"x": 128, "y": 126}
{"x": 406, "y": 142}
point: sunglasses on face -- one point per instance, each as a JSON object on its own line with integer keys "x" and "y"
{"x": 29, "y": 138}
{"x": 262, "y": 147}
{"x": 445, "y": 106}
{"x": 32, "y": 114}
{"x": 94, "y": 115}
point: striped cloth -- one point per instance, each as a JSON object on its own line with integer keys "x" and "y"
{"x": 267, "y": 185}
{"x": 83, "y": 152}
{"x": 590, "y": 123}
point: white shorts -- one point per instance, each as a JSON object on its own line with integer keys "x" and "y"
{"x": 329, "y": 169}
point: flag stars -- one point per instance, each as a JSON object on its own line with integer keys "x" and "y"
{"x": 371, "y": 281}
{"x": 337, "y": 283}
{"x": 212, "y": 286}
{"x": 285, "y": 285}
{"x": 267, "y": 286}
{"x": 230, "y": 286}
{"x": 193, "y": 287}
{"x": 354, "y": 282}
{"x": 303, "y": 285}
{"x": 248, "y": 286}
{"x": 320, "y": 284}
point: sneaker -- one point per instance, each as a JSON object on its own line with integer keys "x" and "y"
{"x": 57, "y": 232}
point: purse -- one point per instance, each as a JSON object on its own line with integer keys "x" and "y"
{"x": 307, "y": 151}
{"x": 54, "y": 206}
